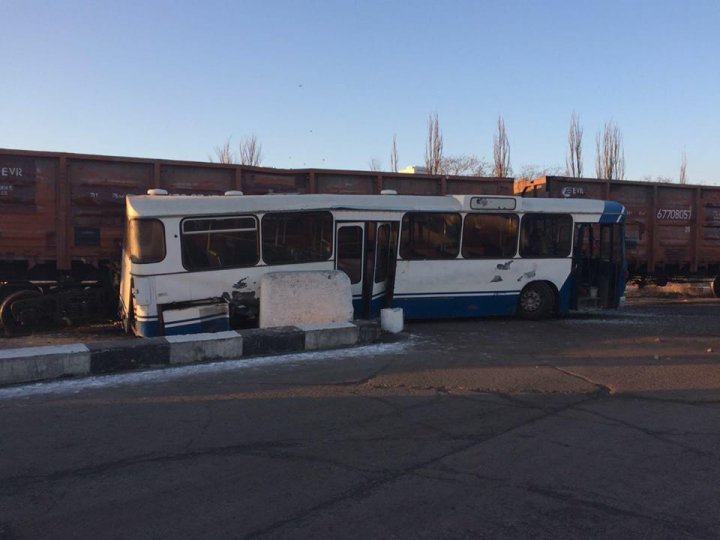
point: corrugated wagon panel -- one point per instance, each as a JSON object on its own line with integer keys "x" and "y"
{"x": 638, "y": 201}
{"x": 259, "y": 182}
{"x": 187, "y": 180}
{"x": 353, "y": 184}
{"x": 411, "y": 184}
{"x": 708, "y": 216}
{"x": 479, "y": 186}
{"x": 27, "y": 208}
{"x": 97, "y": 205}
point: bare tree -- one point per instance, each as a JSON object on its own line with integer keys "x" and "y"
{"x": 464, "y": 165}
{"x": 534, "y": 171}
{"x": 223, "y": 153}
{"x": 574, "y": 161}
{"x": 375, "y": 164}
{"x": 433, "y": 145}
{"x": 501, "y": 151}
{"x": 610, "y": 159}
{"x": 683, "y": 168}
{"x": 394, "y": 155}
{"x": 250, "y": 151}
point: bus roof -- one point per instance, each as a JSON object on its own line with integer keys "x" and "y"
{"x": 188, "y": 205}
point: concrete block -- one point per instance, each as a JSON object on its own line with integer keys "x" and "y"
{"x": 369, "y": 331}
{"x": 41, "y": 363}
{"x": 293, "y": 298}
{"x": 124, "y": 355}
{"x": 192, "y": 348}
{"x": 329, "y": 336}
{"x": 272, "y": 341}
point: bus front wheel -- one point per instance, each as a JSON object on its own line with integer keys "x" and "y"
{"x": 537, "y": 301}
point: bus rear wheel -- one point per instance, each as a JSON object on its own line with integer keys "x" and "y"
{"x": 537, "y": 301}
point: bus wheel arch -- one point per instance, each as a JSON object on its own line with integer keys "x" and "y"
{"x": 538, "y": 300}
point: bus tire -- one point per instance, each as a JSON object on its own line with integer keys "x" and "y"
{"x": 537, "y": 301}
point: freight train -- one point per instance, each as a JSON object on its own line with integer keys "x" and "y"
{"x": 62, "y": 220}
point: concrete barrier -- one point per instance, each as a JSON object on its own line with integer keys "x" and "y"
{"x": 329, "y": 336}
{"x": 30, "y": 364}
{"x": 40, "y": 363}
{"x": 294, "y": 298}
{"x": 194, "y": 348}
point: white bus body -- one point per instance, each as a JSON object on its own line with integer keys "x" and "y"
{"x": 191, "y": 263}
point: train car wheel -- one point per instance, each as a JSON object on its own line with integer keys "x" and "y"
{"x": 537, "y": 301}
{"x": 25, "y": 321}
{"x": 716, "y": 287}
{"x": 9, "y": 288}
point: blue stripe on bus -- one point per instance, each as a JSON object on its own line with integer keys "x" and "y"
{"x": 196, "y": 326}
{"x": 565, "y": 293}
{"x": 150, "y": 326}
{"x": 147, "y": 327}
{"x": 440, "y": 307}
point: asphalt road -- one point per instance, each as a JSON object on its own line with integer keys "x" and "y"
{"x": 603, "y": 426}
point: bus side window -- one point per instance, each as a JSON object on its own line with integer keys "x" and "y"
{"x": 297, "y": 237}
{"x": 546, "y": 235}
{"x": 430, "y": 235}
{"x": 213, "y": 243}
{"x": 489, "y": 236}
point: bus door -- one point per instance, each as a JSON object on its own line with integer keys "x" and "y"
{"x": 366, "y": 252}
{"x": 612, "y": 264}
{"x": 598, "y": 265}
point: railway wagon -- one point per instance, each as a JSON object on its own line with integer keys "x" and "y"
{"x": 62, "y": 217}
{"x": 672, "y": 231}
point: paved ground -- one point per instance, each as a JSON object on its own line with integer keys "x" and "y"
{"x": 588, "y": 426}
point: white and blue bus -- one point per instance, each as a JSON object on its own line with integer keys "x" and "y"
{"x": 193, "y": 263}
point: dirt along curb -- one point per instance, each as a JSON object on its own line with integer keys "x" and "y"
{"x": 32, "y": 364}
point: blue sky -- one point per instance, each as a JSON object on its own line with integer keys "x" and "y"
{"x": 327, "y": 84}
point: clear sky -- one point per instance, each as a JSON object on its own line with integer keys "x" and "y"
{"x": 328, "y": 83}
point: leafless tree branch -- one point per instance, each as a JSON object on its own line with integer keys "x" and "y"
{"x": 610, "y": 158}
{"x": 250, "y": 151}
{"x": 683, "y": 168}
{"x": 223, "y": 153}
{"x": 574, "y": 161}
{"x": 528, "y": 172}
{"x": 464, "y": 165}
{"x": 501, "y": 151}
{"x": 433, "y": 145}
{"x": 394, "y": 155}
{"x": 375, "y": 164}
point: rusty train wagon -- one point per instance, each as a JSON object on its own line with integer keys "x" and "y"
{"x": 62, "y": 218}
{"x": 672, "y": 231}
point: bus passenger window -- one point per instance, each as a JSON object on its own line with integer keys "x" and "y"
{"x": 215, "y": 243}
{"x": 490, "y": 236}
{"x": 297, "y": 237}
{"x": 145, "y": 241}
{"x": 350, "y": 251}
{"x": 430, "y": 235}
{"x": 546, "y": 235}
